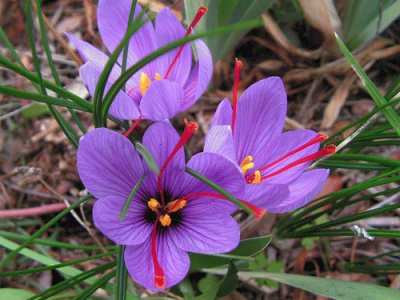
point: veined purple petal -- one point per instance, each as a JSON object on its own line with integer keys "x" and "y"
{"x": 219, "y": 140}
{"x": 287, "y": 142}
{"x": 265, "y": 195}
{"x": 133, "y": 230}
{"x": 123, "y": 106}
{"x": 162, "y": 100}
{"x": 89, "y": 52}
{"x": 223, "y": 114}
{"x": 200, "y": 76}
{"x": 205, "y": 229}
{"x": 108, "y": 164}
{"x": 303, "y": 190}
{"x": 160, "y": 139}
{"x": 169, "y": 29}
{"x": 173, "y": 261}
{"x": 218, "y": 169}
{"x": 260, "y": 118}
{"x": 113, "y": 19}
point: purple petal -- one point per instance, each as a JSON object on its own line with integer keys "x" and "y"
{"x": 123, "y": 106}
{"x": 287, "y": 142}
{"x": 219, "y": 140}
{"x": 133, "y": 230}
{"x": 266, "y": 195}
{"x": 160, "y": 139}
{"x": 162, "y": 100}
{"x": 113, "y": 19}
{"x": 173, "y": 261}
{"x": 205, "y": 229}
{"x": 223, "y": 114}
{"x": 89, "y": 52}
{"x": 108, "y": 164}
{"x": 218, "y": 169}
{"x": 303, "y": 190}
{"x": 260, "y": 118}
{"x": 169, "y": 29}
{"x": 200, "y": 76}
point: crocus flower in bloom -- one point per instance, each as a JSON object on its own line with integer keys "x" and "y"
{"x": 273, "y": 163}
{"x": 164, "y": 87}
{"x": 171, "y": 214}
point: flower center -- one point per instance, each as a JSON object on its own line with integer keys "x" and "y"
{"x": 164, "y": 218}
{"x": 257, "y": 177}
{"x": 163, "y": 211}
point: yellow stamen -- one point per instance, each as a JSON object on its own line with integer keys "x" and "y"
{"x": 176, "y": 205}
{"x": 247, "y": 164}
{"x": 144, "y": 83}
{"x": 257, "y": 177}
{"x": 158, "y": 76}
{"x": 153, "y": 204}
{"x": 165, "y": 220}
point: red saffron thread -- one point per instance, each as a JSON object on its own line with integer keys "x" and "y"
{"x": 319, "y": 138}
{"x": 258, "y": 212}
{"x": 331, "y": 149}
{"x": 200, "y": 13}
{"x": 159, "y": 276}
{"x": 190, "y": 129}
{"x": 238, "y": 67}
{"x": 135, "y": 124}
{"x": 131, "y": 90}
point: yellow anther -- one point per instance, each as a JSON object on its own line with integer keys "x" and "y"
{"x": 165, "y": 220}
{"x": 257, "y": 177}
{"x": 158, "y": 76}
{"x": 144, "y": 83}
{"x": 247, "y": 164}
{"x": 176, "y": 205}
{"x": 153, "y": 204}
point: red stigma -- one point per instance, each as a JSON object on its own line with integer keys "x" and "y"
{"x": 159, "y": 276}
{"x": 200, "y": 13}
{"x": 130, "y": 130}
{"x": 329, "y": 150}
{"x": 238, "y": 67}
{"x": 317, "y": 139}
{"x": 190, "y": 129}
{"x": 258, "y": 212}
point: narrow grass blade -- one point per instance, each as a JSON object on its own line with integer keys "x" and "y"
{"x": 85, "y": 294}
{"x": 389, "y": 112}
{"x": 68, "y": 130}
{"x": 53, "y": 266}
{"x": 49, "y": 85}
{"x": 131, "y": 197}
{"x": 46, "y": 48}
{"x": 331, "y": 288}
{"x": 42, "y": 230}
{"x": 122, "y": 274}
{"x": 17, "y": 93}
{"x": 51, "y": 243}
{"x": 148, "y": 157}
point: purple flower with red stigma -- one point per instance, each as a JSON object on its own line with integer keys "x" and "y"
{"x": 171, "y": 214}
{"x": 273, "y": 163}
{"x": 166, "y": 86}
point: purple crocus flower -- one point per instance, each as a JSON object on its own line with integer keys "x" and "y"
{"x": 171, "y": 214}
{"x": 161, "y": 89}
{"x": 273, "y": 163}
